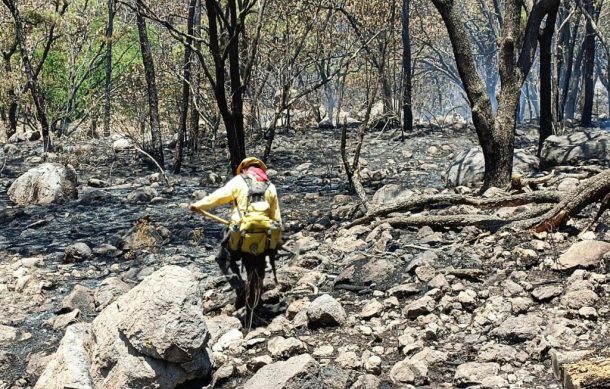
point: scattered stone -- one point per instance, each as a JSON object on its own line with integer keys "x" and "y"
{"x": 80, "y": 298}
{"x": 256, "y": 363}
{"x": 297, "y": 372}
{"x": 473, "y": 373}
{"x": 220, "y": 325}
{"x": 366, "y": 272}
{"x": 585, "y": 254}
{"x": 325, "y": 311}
{"x": 285, "y": 347}
{"x": 404, "y": 291}
{"x": 45, "y": 184}
{"x": 408, "y": 372}
{"x": 371, "y": 309}
{"x": 77, "y": 252}
{"x": 108, "y": 291}
{"x": 419, "y": 307}
{"x": 547, "y": 292}
{"x": 389, "y": 194}
{"x": 519, "y": 328}
{"x": 588, "y": 313}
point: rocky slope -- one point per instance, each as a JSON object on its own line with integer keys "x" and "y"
{"x": 362, "y": 307}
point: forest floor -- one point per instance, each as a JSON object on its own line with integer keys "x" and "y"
{"x": 477, "y": 279}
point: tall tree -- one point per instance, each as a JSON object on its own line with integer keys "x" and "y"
{"x": 407, "y": 110}
{"x": 186, "y": 85}
{"x": 547, "y": 117}
{"x": 30, "y": 72}
{"x": 517, "y": 49}
{"x": 13, "y": 105}
{"x": 108, "y": 77}
{"x": 156, "y": 145}
{"x": 589, "y": 81}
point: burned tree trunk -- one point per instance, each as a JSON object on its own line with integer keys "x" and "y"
{"x": 195, "y": 81}
{"x": 547, "y": 121}
{"x": 496, "y": 134}
{"x": 30, "y": 73}
{"x": 589, "y": 82}
{"x": 108, "y": 60}
{"x": 186, "y": 85}
{"x": 156, "y": 146}
{"x": 12, "y": 109}
{"x": 407, "y": 110}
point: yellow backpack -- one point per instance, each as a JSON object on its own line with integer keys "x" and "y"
{"x": 256, "y": 232}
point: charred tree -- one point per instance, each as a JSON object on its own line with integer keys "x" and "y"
{"x": 30, "y": 73}
{"x": 547, "y": 118}
{"x": 195, "y": 80}
{"x": 186, "y": 85}
{"x": 108, "y": 59}
{"x": 155, "y": 147}
{"x": 518, "y": 44}
{"x": 589, "y": 67}
{"x": 13, "y": 105}
{"x": 407, "y": 109}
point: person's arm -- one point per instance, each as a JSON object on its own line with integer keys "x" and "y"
{"x": 274, "y": 205}
{"x": 219, "y": 197}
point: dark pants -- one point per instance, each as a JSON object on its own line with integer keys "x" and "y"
{"x": 228, "y": 261}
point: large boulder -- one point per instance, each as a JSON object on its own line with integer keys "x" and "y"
{"x": 69, "y": 366}
{"x": 45, "y": 184}
{"x": 468, "y": 167}
{"x": 574, "y": 148}
{"x": 152, "y": 336}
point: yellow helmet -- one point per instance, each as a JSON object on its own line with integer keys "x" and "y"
{"x": 250, "y": 161}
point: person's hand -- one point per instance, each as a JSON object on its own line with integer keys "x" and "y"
{"x": 192, "y": 208}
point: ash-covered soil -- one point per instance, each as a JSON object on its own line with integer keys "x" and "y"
{"x": 433, "y": 299}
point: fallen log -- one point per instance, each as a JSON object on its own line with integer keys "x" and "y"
{"x": 456, "y": 199}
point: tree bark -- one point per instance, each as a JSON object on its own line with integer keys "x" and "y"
{"x": 13, "y": 105}
{"x": 496, "y": 134}
{"x": 186, "y": 85}
{"x": 108, "y": 77}
{"x": 589, "y": 82}
{"x": 407, "y": 109}
{"x": 37, "y": 96}
{"x": 573, "y": 91}
{"x": 195, "y": 81}
{"x": 156, "y": 146}
{"x": 235, "y": 130}
{"x": 547, "y": 120}
{"x": 571, "y": 33}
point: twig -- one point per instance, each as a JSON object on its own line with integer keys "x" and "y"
{"x": 156, "y": 163}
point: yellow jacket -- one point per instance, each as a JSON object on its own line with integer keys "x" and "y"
{"x": 236, "y": 190}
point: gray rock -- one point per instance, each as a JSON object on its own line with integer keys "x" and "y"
{"x": 468, "y": 166}
{"x": 108, "y": 291}
{"x": 69, "y": 366}
{"x": 367, "y": 272}
{"x": 45, "y": 184}
{"x": 519, "y": 328}
{"x": 294, "y": 373}
{"x": 409, "y": 372}
{"x": 325, "y": 311}
{"x": 80, "y": 298}
{"x": 389, "y": 194}
{"x": 419, "y": 307}
{"x": 473, "y": 373}
{"x": 582, "y": 145}
{"x": 547, "y": 292}
{"x": 155, "y": 334}
{"x": 77, "y": 252}
{"x": 142, "y": 195}
{"x": 220, "y": 325}
{"x": 371, "y": 309}
{"x": 585, "y": 254}
{"x": 285, "y": 347}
